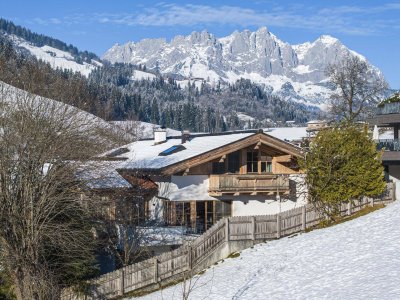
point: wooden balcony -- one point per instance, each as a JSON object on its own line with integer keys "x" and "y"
{"x": 247, "y": 184}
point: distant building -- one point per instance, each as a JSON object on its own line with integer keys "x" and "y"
{"x": 290, "y": 123}
{"x": 388, "y": 117}
{"x": 316, "y": 125}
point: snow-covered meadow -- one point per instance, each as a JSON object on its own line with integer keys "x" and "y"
{"x": 358, "y": 259}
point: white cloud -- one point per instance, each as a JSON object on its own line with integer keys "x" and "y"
{"x": 354, "y": 20}
{"x": 344, "y": 19}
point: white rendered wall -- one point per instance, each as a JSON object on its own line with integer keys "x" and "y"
{"x": 394, "y": 175}
{"x": 267, "y": 205}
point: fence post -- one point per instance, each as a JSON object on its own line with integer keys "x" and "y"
{"x": 303, "y": 218}
{"x": 227, "y": 229}
{"x": 253, "y": 228}
{"x": 121, "y": 282}
{"x": 155, "y": 270}
{"x": 393, "y": 196}
{"x": 190, "y": 257}
{"x": 349, "y": 208}
{"x": 278, "y": 226}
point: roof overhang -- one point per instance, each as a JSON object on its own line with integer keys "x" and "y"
{"x": 387, "y": 120}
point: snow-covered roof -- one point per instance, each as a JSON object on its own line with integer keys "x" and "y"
{"x": 102, "y": 175}
{"x": 145, "y": 155}
{"x": 316, "y": 121}
{"x": 287, "y": 133}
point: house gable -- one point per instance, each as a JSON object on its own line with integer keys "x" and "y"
{"x": 282, "y": 152}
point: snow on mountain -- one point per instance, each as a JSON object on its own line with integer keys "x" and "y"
{"x": 55, "y": 57}
{"x": 295, "y": 72}
{"x": 140, "y": 75}
{"x": 354, "y": 260}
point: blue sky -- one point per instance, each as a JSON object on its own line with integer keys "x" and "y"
{"x": 371, "y": 28}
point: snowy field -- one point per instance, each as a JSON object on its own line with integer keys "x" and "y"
{"x": 358, "y": 259}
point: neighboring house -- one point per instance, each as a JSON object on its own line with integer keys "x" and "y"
{"x": 109, "y": 187}
{"x": 204, "y": 177}
{"x": 388, "y": 119}
{"x": 315, "y": 126}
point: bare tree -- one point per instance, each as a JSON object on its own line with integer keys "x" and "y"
{"x": 45, "y": 237}
{"x": 357, "y": 88}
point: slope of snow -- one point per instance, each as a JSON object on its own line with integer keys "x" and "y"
{"x": 184, "y": 83}
{"x": 358, "y": 259}
{"x": 11, "y": 95}
{"x": 55, "y": 57}
{"x": 245, "y": 118}
{"x": 140, "y": 75}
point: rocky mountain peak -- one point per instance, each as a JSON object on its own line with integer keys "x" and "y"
{"x": 259, "y": 56}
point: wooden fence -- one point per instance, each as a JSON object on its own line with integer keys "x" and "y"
{"x": 187, "y": 257}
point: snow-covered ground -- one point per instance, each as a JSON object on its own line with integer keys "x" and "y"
{"x": 358, "y": 259}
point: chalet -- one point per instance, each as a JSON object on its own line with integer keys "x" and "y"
{"x": 202, "y": 178}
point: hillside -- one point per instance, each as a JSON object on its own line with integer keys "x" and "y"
{"x": 293, "y": 72}
{"x": 112, "y": 134}
{"x": 354, "y": 260}
{"x": 53, "y": 51}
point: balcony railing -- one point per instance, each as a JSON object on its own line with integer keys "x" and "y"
{"x": 249, "y": 183}
{"x": 389, "y": 145}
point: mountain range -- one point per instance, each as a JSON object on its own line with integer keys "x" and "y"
{"x": 293, "y": 72}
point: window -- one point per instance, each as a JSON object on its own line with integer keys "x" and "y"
{"x": 182, "y": 210}
{"x": 266, "y": 163}
{"x": 209, "y": 213}
{"x": 234, "y": 162}
{"x": 252, "y": 161}
{"x": 218, "y": 167}
{"x": 172, "y": 150}
{"x": 222, "y": 209}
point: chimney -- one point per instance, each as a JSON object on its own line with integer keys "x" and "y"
{"x": 185, "y": 136}
{"x": 160, "y": 135}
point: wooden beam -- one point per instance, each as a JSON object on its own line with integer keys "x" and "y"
{"x": 284, "y": 158}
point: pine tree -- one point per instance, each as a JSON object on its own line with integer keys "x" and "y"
{"x": 342, "y": 165}
{"x": 155, "y": 115}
